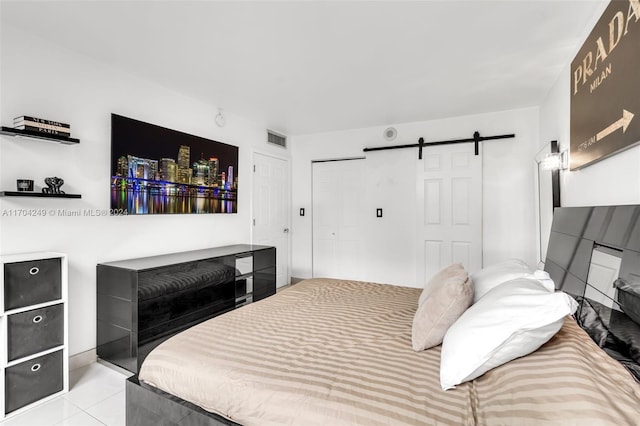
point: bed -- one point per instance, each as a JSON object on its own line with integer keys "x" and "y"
{"x": 339, "y": 352}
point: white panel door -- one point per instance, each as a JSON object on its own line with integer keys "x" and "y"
{"x": 449, "y": 195}
{"x": 338, "y": 212}
{"x": 271, "y": 210}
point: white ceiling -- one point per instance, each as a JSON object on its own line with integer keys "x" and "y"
{"x": 311, "y": 66}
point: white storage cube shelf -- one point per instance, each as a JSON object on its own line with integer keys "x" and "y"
{"x": 33, "y": 330}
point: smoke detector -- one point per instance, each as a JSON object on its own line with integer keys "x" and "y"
{"x": 390, "y": 133}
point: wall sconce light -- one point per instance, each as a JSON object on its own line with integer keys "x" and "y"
{"x": 555, "y": 161}
{"x": 220, "y": 120}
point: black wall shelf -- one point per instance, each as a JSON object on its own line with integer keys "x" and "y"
{"x": 36, "y": 194}
{"x": 10, "y": 131}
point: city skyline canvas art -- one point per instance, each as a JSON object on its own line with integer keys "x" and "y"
{"x": 156, "y": 170}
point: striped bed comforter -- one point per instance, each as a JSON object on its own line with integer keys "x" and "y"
{"x": 335, "y": 352}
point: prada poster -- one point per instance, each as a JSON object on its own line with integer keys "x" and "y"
{"x": 605, "y": 86}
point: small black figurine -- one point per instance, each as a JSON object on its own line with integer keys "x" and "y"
{"x": 54, "y": 184}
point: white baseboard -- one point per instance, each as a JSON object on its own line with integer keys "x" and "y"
{"x": 82, "y": 359}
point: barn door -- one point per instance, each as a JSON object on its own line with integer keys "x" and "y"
{"x": 449, "y": 195}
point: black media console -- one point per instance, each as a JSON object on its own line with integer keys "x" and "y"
{"x": 142, "y": 302}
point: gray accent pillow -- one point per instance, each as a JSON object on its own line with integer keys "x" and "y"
{"x": 445, "y": 301}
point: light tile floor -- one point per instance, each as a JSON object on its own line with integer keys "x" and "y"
{"x": 95, "y": 398}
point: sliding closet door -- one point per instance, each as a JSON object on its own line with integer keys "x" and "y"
{"x": 449, "y": 192}
{"x": 338, "y": 211}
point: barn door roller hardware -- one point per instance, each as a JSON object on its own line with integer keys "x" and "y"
{"x": 476, "y": 139}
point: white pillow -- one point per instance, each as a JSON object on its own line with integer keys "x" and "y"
{"x": 545, "y": 280}
{"x": 510, "y": 321}
{"x": 496, "y": 274}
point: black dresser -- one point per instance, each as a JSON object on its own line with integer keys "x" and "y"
{"x": 142, "y": 302}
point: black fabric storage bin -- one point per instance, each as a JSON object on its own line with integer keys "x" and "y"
{"x": 35, "y": 331}
{"x": 32, "y": 282}
{"x": 33, "y": 380}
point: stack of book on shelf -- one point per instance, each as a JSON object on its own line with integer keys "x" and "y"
{"x": 40, "y": 125}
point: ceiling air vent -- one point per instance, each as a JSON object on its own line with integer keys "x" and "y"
{"x": 276, "y": 139}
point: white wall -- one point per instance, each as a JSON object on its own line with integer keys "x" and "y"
{"x": 44, "y": 80}
{"x": 508, "y": 209}
{"x": 615, "y": 180}
{"x": 55, "y": 83}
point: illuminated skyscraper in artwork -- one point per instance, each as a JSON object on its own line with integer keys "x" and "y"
{"x": 184, "y": 171}
{"x": 142, "y": 168}
{"x": 229, "y": 177}
{"x": 154, "y": 171}
{"x": 201, "y": 172}
{"x": 184, "y": 156}
{"x": 122, "y": 167}
{"x": 168, "y": 170}
{"x": 214, "y": 167}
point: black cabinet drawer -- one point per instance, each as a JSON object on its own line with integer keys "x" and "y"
{"x": 32, "y": 380}
{"x": 180, "y": 306}
{"x": 264, "y": 258}
{"x": 32, "y": 282}
{"x": 34, "y": 331}
{"x": 264, "y": 283}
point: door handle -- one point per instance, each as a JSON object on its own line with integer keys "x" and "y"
{"x": 285, "y": 230}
